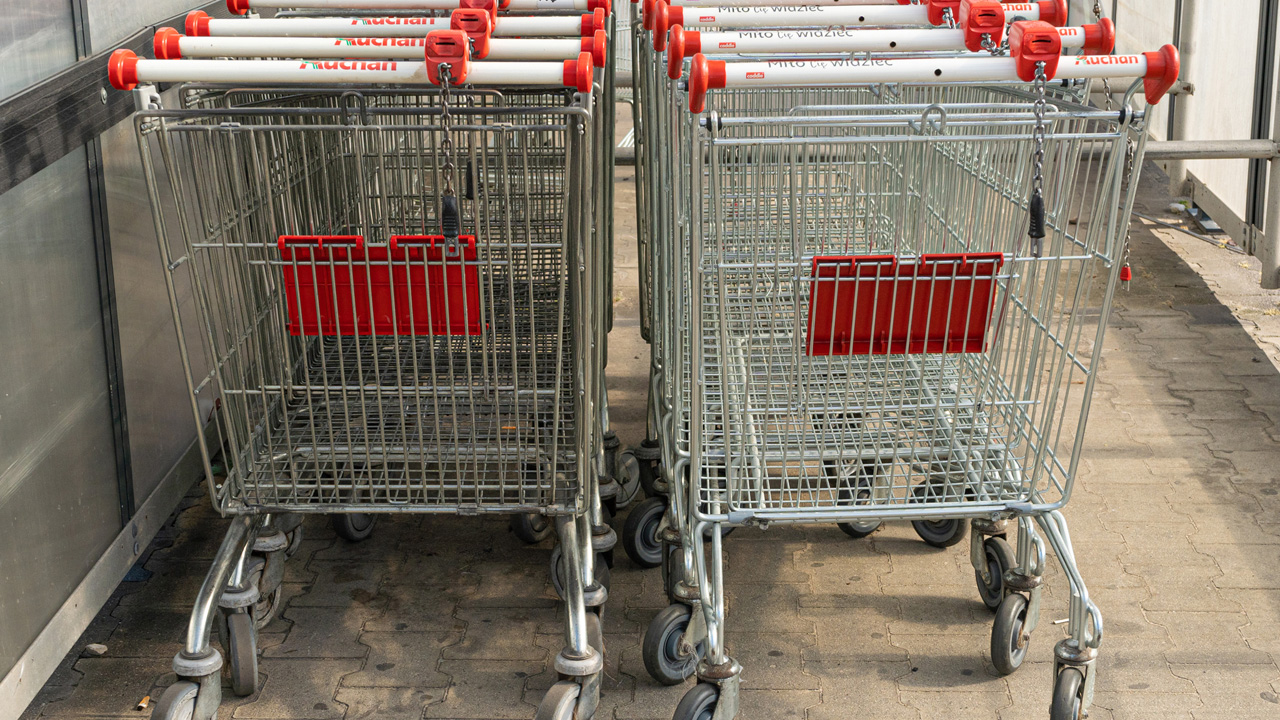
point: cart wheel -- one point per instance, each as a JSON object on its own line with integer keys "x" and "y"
{"x": 242, "y": 653}
{"x": 941, "y": 533}
{"x": 999, "y": 559}
{"x": 353, "y": 526}
{"x": 629, "y": 485}
{"x": 294, "y": 538}
{"x": 595, "y": 632}
{"x": 264, "y": 611}
{"x": 661, "y": 648}
{"x": 640, "y": 534}
{"x": 1068, "y": 696}
{"x": 699, "y": 703}
{"x": 603, "y": 576}
{"x": 859, "y": 530}
{"x": 531, "y": 527}
{"x": 177, "y": 703}
{"x": 560, "y": 702}
{"x": 1008, "y": 641}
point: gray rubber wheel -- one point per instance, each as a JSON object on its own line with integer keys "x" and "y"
{"x": 640, "y": 533}
{"x": 353, "y": 526}
{"x": 859, "y": 530}
{"x": 661, "y": 648}
{"x": 178, "y": 702}
{"x": 601, "y": 568}
{"x": 999, "y": 557}
{"x": 1008, "y": 642}
{"x": 1068, "y": 696}
{"x": 941, "y": 533}
{"x": 531, "y": 527}
{"x": 560, "y": 702}
{"x": 698, "y": 704}
{"x": 242, "y": 653}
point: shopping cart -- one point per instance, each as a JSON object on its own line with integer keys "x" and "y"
{"x": 897, "y": 285}
{"x": 935, "y": 26}
{"x": 396, "y": 289}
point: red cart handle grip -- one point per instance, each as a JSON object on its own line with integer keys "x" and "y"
{"x": 165, "y": 45}
{"x": 577, "y": 73}
{"x": 597, "y": 20}
{"x": 598, "y": 46}
{"x": 706, "y": 75}
{"x": 197, "y": 24}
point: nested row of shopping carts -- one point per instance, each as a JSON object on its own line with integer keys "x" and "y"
{"x": 386, "y": 225}
{"x": 880, "y": 244}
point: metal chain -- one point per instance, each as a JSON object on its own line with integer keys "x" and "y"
{"x": 444, "y": 72}
{"x": 990, "y": 45}
{"x": 1130, "y": 151}
{"x": 1036, "y": 230}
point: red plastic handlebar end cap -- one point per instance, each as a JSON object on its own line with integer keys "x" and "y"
{"x": 605, "y": 5}
{"x": 1099, "y": 37}
{"x": 502, "y": 4}
{"x": 680, "y": 45}
{"x": 706, "y": 75}
{"x": 238, "y": 7}
{"x": 598, "y": 46}
{"x": 165, "y": 44}
{"x": 577, "y": 73}
{"x": 1032, "y": 42}
{"x": 451, "y": 47}
{"x": 122, "y": 69}
{"x": 197, "y": 24}
{"x": 593, "y": 22}
{"x": 980, "y": 18}
{"x": 646, "y": 13}
{"x": 1053, "y": 12}
{"x": 665, "y": 17}
{"x": 1162, "y": 73}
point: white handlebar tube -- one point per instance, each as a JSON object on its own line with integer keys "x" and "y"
{"x": 201, "y": 25}
{"x": 664, "y": 16}
{"x": 1159, "y": 70}
{"x": 126, "y": 70}
{"x": 169, "y": 45}
{"x": 240, "y": 7}
{"x": 687, "y": 43}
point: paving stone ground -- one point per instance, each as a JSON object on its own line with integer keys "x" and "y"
{"x": 1176, "y": 523}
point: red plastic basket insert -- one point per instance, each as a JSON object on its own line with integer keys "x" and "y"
{"x": 414, "y": 285}
{"x": 881, "y": 304}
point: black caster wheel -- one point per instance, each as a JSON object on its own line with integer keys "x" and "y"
{"x": 178, "y": 702}
{"x": 531, "y": 527}
{"x": 640, "y": 533}
{"x": 1009, "y": 641}
{"x": 661, "y": 648}
{"x": 354, "y": 527}
{"x": 941, "y": 533}
{"x": 859, "y": 530}
{"x": 241, "y": 644}
{"x": 1068, "y": 696}
{"x": 698, "y": 704}
{"x": 560, "y": 702}
{"x": 1000, "y": 558}
{"x": 600, "y": 567}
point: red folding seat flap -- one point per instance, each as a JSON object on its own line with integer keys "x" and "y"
{"x": 882, "y": 304}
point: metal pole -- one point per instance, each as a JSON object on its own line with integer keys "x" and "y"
{"x": 1177, "y": 168}
{"x": 1267, "y": 247}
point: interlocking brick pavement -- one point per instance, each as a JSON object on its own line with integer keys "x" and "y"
{"x": 1176, "y": 522}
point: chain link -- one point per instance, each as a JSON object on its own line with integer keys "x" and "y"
{"x": 1037, "y": 178}
{"x": 444, "y": 72}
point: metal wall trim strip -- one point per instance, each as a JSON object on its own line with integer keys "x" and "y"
{"x": 43, "y": 123}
